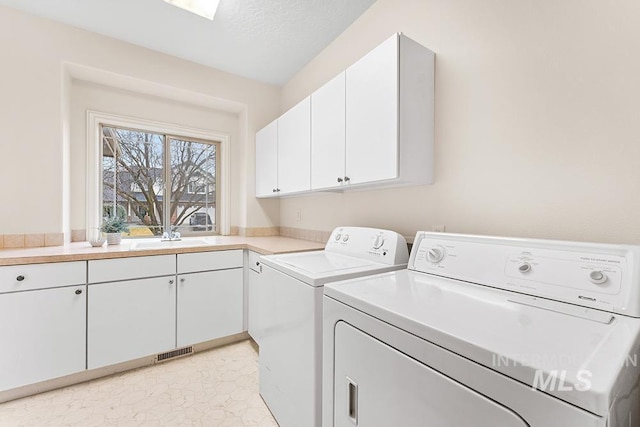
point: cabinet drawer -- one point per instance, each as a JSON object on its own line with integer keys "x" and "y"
{"x": 204, "y": 261}
{"x": 41, "y": 276}
{"x": 111, "y": 270}
{"x": 254, "y": 261}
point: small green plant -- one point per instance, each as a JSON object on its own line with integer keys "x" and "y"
{"x": 114, "y": 225}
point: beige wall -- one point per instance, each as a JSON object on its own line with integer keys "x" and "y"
{"x": 40, "y": 153}
{"x": 537, "y": 120}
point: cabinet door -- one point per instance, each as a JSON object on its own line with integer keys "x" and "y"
{"x": 257, "y": 301}
{"x": 328, "y": 134}
{"x": 267, "y": 160}
{"x": 294, "y": 149}
{"x": 130, "y": 319}
{"x": 372, "y": 115}
{"x": 42, "y": 334}
{"x": 210, "y": 305}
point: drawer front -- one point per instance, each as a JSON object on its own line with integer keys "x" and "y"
{"x": 15, "y": 278}
{"x": 111, "y": 270}
{"x": 204, "y": 261}
{"x": 254, "y": 261}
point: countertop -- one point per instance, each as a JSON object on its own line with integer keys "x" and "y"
{"x": 83, "y": 251}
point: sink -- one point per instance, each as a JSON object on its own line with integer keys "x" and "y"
{"x": 165, "y": 244}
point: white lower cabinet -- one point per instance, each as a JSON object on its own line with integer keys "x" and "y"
{"x": 130, "y": 313}
{"x": 210, "y": 296}
{"x": 42, "y": 335}
{"x": 209, "y": 305}
{"x": 53, "y": 323}
{"x": 130, "y": 319}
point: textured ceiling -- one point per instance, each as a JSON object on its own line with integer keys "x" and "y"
{"x": 266, "y": 40}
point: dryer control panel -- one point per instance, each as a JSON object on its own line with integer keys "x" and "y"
{"x": 593, "y": 275}
{"x": 384, "y": 246}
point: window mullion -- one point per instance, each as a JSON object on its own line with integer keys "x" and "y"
{"x": 166, "y": 201}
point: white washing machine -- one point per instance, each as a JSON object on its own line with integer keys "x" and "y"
{"x": 483, "y": 331}
{"x": 291, "y": 343}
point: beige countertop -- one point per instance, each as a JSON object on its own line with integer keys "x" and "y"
{"x": 82, "y": 251}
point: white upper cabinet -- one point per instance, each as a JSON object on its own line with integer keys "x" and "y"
{"x": 372, "y": 115}
{"x": 371, "y": 126}
{"x": 390, "y": 115}
{"x": 328, "y": 134}
{"x": 267, "y": 160}
{"x": 283, "y": 153}
{"x": 294, "y": 149}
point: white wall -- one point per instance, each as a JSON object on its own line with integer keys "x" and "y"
{"x": 35, "y": 132}
{"x": 537, "y": 120}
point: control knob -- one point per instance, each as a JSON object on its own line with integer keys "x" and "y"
{"x": 525, "y": 267}
{"x": 435, "y": 254}
{"x": 597, "y": 277}
{"x": 378, "y": 242}
{"x": 338, "y": 236}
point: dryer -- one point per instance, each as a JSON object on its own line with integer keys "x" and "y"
{"x": 290, "y": 359}
{"x": 485, "y": 331}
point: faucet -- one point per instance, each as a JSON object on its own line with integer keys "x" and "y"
{"x": 172, "y": 236}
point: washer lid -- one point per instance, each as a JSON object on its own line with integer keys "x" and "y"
{"x": 325, "y": 262}
{"x": 583, "y": 356}
{"x": 319, "y": 267}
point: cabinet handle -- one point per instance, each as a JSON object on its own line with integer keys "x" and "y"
{"x": 171, "y": 282}
{"x": 339, "y": 179}
{"x": 182, "y": 280}
{"x": 274, "y": 190}
{"x": 352, "y": 401}
{"x": 257, "y": 263}
{"x": 347, "y": 179}
{"x": 277, "y": 190}
{"x": 20, "y": 278}
{"x": 78, "y": 291}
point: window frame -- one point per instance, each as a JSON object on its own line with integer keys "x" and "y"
{"x": 95, "y": 121}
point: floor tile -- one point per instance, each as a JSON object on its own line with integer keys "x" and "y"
{"x": 217, "y": 387}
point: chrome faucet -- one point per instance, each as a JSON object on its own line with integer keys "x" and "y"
{"x": 172, "y": 236}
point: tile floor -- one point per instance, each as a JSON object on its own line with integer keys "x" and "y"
{"x": 217, "y": 387}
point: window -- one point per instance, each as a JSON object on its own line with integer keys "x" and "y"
{"x": 159, "y": 182}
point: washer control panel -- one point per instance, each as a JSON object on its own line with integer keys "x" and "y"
{"x": 375, "y": 244}
{"x": 593, "y": 275}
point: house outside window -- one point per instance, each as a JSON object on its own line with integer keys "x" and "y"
{"x": 197, "y": 187}
{"x": 159, "y": 182}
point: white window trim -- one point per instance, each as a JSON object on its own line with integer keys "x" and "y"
{"x": 94, "y": 160}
